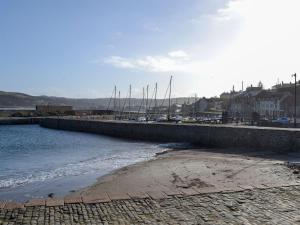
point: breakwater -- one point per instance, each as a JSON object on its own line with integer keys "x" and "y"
{"x": 204, "y": 135}
{"x": 19, "y": 121}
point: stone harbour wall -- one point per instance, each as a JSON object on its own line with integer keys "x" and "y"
{"x": 19, "y": 120}
{"x": 203, "y": 135}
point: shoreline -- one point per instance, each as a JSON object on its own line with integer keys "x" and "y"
{"x": 168, "y": 150}
{"x": 182, "y": 173}
{"x": 75, "y": 161}
{"x": 195, "y": 171}
{"x": 192, "y": 171}
{"x": 120, "y": 170}
{"x": 61, "y": 180}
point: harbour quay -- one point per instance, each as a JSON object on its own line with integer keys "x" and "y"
{"x": 219, "y": 136}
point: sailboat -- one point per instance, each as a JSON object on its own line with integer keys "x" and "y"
{"x": 167, "y": 117}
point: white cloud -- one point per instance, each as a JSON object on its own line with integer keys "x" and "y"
{"x": 234, "y": 9}
{"x": 265, "y": 47}
{"x": 179, "y": 54}
{"x": 118, "y": 61}
{"x": 173, "y": 61}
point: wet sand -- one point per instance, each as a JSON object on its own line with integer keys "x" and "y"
{"x": 198, "y": 171}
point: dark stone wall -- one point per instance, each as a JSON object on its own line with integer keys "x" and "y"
{"x": 203, "y": 135}
{"x": 19, "y": 121}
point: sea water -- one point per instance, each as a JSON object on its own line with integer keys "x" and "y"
{"x": 36, "y": 161}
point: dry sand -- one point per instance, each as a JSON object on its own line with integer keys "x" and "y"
{"x": 199, "y": 170}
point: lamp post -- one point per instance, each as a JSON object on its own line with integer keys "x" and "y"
{"x": 295, "y": 98}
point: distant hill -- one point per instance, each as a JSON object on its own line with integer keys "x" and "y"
{"x": 21, "y": 100}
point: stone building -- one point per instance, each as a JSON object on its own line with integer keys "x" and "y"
{"x": 290, "y": 88}
{"x": 203, "y": 105}
{"x": 271, "y": 104}
{"x": 267, "y": 103}
{"x": 243, "y": 104}
{"x": 54, "y": 109}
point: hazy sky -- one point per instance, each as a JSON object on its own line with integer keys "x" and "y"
{"x": 82, "y": 48}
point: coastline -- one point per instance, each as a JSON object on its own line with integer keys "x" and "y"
{"x": 176, "y": 185}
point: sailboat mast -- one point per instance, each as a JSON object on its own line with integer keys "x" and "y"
{"x": 155, "y": 100}
{"x": 115, "y": 98}
{"x": 119, "y": 105}
{"x": 169, "y": 112}
{"x": 195, "y": 106}
{"x": 143, "y": 102}
{"x": 129, "y": 102}
{"x": 146, "y": 111}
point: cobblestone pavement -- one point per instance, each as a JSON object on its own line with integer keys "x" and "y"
{"x": 279, "y": 205}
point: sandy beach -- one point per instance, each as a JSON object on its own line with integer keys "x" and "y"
{"x": 198, "y": 171}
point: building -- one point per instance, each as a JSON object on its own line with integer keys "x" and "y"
{"x": 243, "y": 104}
{"x": 215, "y": 104}
{"x": 54, "y": 109}
{"x": 203, "y": 106}
{"x": 272, "y": 104}
{"x": 290, "y": 88}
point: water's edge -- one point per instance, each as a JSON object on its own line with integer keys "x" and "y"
{"x": 67, "y": 150}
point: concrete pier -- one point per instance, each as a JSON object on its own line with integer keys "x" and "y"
{"x": 204, "y": 135}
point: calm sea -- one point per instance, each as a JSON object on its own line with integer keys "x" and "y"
{"x": 36, "y": 161}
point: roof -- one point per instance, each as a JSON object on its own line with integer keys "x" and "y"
{"x": 250, "y": 92}
{"x": 273, "y": 94}
{"x": 285, "y": 85}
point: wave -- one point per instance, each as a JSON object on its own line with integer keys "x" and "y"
{"x": 176, "y": 145}
{"x": 101, "y": 165}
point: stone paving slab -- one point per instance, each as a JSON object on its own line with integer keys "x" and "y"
{"x": 157, "y": 195}
{"x": 95, "y": 199}
{"x": 13, "y": 205}
{"x": 118, "y": 196}
{"x": 71, "y": 200}
{"x": 259, "y": 206}
{"x": 172, "y": 192}
{"x": 54, "y": 201}
{"x": 246, "y": 187}
{"x": 139, "y": 195}
{"x": 107, "y": 197}
{"x": 35, "y": 202}
{"x": 189, "y": 191}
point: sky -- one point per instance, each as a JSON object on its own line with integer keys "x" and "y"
{"x": 81, "y": 49}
